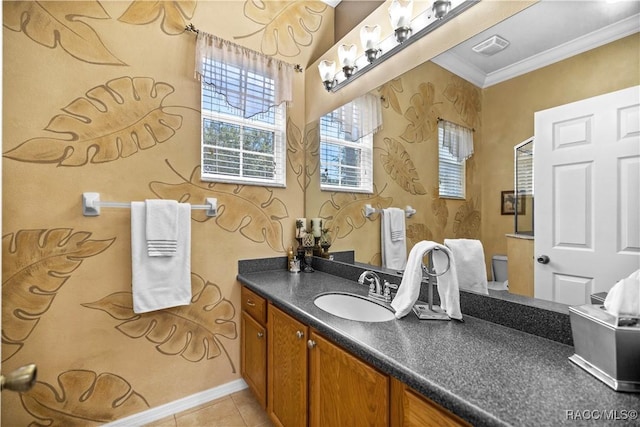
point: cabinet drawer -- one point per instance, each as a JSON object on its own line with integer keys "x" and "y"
{"x": 254, "y": 304}
{"x": 409, "y": 409}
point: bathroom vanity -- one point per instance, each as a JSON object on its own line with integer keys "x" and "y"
{"x": 304, "y": 363}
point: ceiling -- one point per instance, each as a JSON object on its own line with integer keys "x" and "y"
{"x": 547, "y": 32}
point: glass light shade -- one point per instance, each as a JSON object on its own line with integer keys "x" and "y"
{"x": 347, "y": 54}
{"x": 327, "y": 70}
{"x": 400, "y": 14}
{"x": 370, "y": 36}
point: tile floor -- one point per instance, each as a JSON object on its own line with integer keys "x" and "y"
{"x": 239, "y": 409}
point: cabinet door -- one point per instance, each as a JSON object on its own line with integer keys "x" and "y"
{"x": 409, "y": 409}
{"x": 254, "y": 357}
{"x": 343, "y": 390}
{"x": 287, "y": 374}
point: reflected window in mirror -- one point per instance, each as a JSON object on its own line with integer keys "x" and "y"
{"x": 455, "y": 146}
{"x": 238, "y": 149}
{"x": 345, "y": 165}
{"x": 451, "y": 176}
{"x": 523, "y": 173}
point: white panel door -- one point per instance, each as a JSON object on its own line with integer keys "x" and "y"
{"x": 587, "y": 196}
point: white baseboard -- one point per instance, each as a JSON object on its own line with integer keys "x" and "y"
{"x": 179, "y": 405}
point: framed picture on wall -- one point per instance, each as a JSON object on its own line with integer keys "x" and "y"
{"x": 508, "y": 203}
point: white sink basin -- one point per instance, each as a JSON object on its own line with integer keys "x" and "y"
{"x": 353, "y": 307}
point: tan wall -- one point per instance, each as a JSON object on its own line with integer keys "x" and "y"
{"x": 508, "y": 118}
{"x": 100, "y": 96}
{"x": 405, "y": 157}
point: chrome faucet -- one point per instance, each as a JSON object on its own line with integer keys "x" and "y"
{"x": 377, "y": 289}
{"x": 372, "y": 277}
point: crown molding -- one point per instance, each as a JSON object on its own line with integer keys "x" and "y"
{"x": 471, "y": 73}
{"x": 332, "y": 3}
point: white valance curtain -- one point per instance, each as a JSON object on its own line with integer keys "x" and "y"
{"x": 457, "y": 139}
{"x": 361, "y": 116}
{"x": 250, "y": 81}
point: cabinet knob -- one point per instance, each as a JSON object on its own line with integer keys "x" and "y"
{"x": 311, "y": 343}
{"x": 251, "y": 303}
{"x": 300, "y": 335}
{"x": 260, "y": 334}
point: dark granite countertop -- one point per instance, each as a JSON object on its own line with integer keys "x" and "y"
{"x": 486, "y": 373}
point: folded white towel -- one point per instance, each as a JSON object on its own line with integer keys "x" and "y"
{"x": 624, "y": 297}
{"x": 396, "y": 222}
{"x": 470, "y": 267}
{"x": 409, "y": 289}
{"x": 160, "y": 282}
{"x": 392, "y": 239}
{"x": 161, "y": 227}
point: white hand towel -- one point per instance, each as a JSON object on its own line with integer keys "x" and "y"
{"x": 394, "y": 252}
{"x": 470, "y": 267}
{"x": 624, "y": 297}
{"x": 160, "y": 282}
{"x": 409, "y": 289}
{"x": 396, "y": 222}
{"x": 161, "y": 227}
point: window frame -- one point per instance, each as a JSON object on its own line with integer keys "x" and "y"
{"x": 365, "y": 164}
{"x": 451, "y": 164}
{"x": 279, "y": 140}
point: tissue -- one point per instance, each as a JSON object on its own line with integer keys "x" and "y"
{"x": 623, "y": 300}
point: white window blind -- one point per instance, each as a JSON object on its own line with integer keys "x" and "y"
{"x": 345, "y": 165}
{"x": 524, "y": 168}
{"x": 451, "y": 172}
{"x": 237, "y": 149}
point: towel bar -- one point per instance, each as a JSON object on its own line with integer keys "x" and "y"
{"x": 369, "y": 210}
{"x": 429, "y": 311}
{"x": 91, "y": 205}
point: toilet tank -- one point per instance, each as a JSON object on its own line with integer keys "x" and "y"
{"x": 499, "y": 268}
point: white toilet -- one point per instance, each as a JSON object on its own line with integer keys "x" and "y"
{"x": 499, "y": 273}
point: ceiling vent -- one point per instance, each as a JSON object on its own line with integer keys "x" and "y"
{"x": 491, "y": 46}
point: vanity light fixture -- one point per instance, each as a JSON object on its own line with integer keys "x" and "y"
{"x": 347, "y": 55}
{"x": 370, "y": 37}
{"x": 406, "y": 32}
{"x": 440, "y": 8}
{"x": 327, "y": 71}
{"x": 400, "y": 17}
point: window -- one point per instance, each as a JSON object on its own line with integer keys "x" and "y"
{"x": 344, "y": 165}
{"x": 450, "y": 171}
{"x": 236, "y": 149}
{"x": 524, "y": 168}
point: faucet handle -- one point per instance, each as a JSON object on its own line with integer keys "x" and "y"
{"x": 387, "y": 288}
{"x": 390, "y": 285}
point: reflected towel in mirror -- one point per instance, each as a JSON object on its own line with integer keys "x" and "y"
{"x": 392, "y": 239}
{"x": 470, "y": 265}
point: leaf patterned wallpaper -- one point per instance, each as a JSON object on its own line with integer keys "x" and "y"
{"x": 100, "y": 96}
{"x": 406, "y": 167}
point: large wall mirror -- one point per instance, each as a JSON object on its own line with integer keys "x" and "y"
{"x": 557, "y": 52}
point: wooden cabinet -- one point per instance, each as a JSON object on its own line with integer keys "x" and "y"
{"x": 303, "y": 379}
{"x": 254, "y": 344}
{"x": 343, "y": 390}
{"x": 410, "y": 409}
{"x": 287, "y": 369}
{"x": 521, "y": 269}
